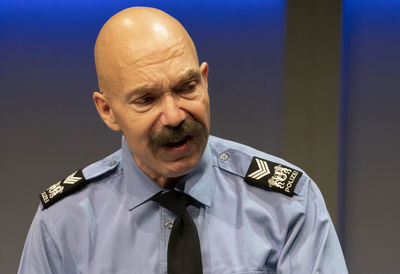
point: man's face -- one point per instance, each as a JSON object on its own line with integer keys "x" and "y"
{"x": 161, "y": 104}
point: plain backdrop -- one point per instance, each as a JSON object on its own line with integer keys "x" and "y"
{"x": 49, "y": 126}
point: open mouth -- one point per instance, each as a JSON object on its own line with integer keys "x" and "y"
{"x": 179, "y": 143}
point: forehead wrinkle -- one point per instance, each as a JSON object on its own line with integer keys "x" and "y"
{"x": 131, "y": 56}
{"x": 147, "y": 78}
{"x": 158, "y": 56}
{"x": 137, "y": 63}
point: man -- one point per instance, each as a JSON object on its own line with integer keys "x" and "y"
{"x": 252, "y": 212}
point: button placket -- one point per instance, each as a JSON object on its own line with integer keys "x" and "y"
{"x": 164, "y": 241}
{"x": 167, "y": 220}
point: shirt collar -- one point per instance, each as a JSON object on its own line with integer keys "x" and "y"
{"x": 200, "y": 183}
{"x": 140, "y": 188}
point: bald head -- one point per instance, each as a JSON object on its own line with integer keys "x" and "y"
{"x": 151, "y": 83}
{"x": 134, "y": 38}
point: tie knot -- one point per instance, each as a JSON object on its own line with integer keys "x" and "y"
{"x": 174, "y": 201}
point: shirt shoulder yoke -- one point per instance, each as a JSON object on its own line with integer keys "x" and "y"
{"x": 258, "y": 168}
{"x": 79, "y": 179}
{"x": 102, "y": 167}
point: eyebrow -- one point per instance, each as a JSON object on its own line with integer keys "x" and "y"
{"x": 190, "y": 75}
{"x": 139, "y": 91}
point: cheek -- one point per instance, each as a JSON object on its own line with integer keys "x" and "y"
{"x": 206, "y": 110}
{"x": 197, "y": 110}
{"x": 133, "y": 125}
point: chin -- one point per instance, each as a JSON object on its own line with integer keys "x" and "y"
{"x": 180, "y": 169}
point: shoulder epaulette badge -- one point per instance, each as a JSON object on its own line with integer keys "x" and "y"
{"x": 272, "y": 176}
{"x": 59, "y": 190}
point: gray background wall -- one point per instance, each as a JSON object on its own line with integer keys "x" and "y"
{"x": 322, "y": 75}
{"x": 49, "y": 126}
{"x": 371, "y": 83}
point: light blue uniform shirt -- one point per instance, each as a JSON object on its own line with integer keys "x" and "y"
{"x": 112, "y": 226}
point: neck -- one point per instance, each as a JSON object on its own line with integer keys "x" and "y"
{"x": 161, "y": 180}
{"x": 169, "y": 183}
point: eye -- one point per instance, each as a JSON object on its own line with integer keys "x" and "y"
{"x": 188, "y": 87}
{"x": 144, "y": 101}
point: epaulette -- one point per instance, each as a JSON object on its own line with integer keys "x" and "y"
{"x": 272, "y": 176}
{"x": 261, "y": 173}
{"x": 63, "y": 188}
{"x": 78, "y": 180}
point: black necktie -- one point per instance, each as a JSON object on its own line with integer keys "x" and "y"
{"x": 184, "y": 256}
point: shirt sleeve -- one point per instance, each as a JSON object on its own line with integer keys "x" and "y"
{"x": 312, "y": 245}
{"x": 40, "y": 254}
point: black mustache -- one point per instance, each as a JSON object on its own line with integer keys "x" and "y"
{"x": 174, "y": 134}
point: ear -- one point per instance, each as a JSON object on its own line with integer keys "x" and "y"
{"x": 204, "y": 72}
{"x": 105, "y": 111}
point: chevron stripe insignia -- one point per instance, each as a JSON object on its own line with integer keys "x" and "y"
{"x": 262, "y": 170}
{"x": 72, "y": 179}
{"x": 272, "y": 176}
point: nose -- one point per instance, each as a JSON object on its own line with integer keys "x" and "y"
{"x": 172, "y": 113}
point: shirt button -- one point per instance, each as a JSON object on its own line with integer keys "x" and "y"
{"x": 168, "y": 224}
{"x": 224, "y": 156}
{"x": 112, "y": 163}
